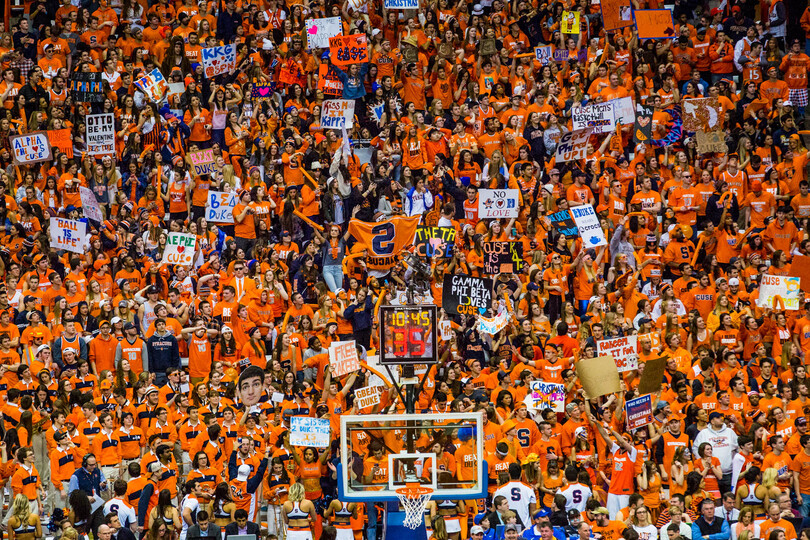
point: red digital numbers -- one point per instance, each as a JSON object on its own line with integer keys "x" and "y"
{"x": 402, "y": 339}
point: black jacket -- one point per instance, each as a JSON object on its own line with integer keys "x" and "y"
{"x": 231, "y": 529}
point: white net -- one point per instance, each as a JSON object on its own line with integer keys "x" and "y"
{"x": 414, "y": 501}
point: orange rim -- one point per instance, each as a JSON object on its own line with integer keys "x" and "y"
{"x": 412, "y": 491}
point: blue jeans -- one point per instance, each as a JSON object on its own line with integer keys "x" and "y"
{"x": 805, "y": 507}
{"x": 333, "y": 276}
{"x": 371, "y": 512}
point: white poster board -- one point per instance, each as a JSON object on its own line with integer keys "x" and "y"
{"x": 308, "y": 431}
{"x": 545, "y": 395}
{"x": 785, "y": 287}
{"x": 573, "y": 145}
{"x": 337, "y": 113}
{"x": 598, "y": 116}
{"x": 588, "y": 224}
{"x": 100, "y": 134}
{"x": 320, "y": 30}
{"x": 220, "y": 205}
{"x": 624, "y": 351}
{"x": 67, "y": 234}
{"x": 498, "y": 203}
{"x": 218, "y": 60}
{"x": 180, "y": 249}
{"x": 624, "y": 112}
{"x": 90, "y": 205}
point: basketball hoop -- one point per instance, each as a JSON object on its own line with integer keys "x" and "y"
{"x": 414, "y": 499}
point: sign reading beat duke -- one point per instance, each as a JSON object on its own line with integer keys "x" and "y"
{"x": 220, "y": 207}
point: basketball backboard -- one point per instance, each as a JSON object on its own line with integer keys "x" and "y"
{"x": 408, "y": 455}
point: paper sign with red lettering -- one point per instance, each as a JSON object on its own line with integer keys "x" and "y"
{"x": 654, "y": 23}
{"x": 328, "y": 81}
{"x": 61, "y": 140}
{"x": 573, "y": 145}
{"x": 347, "y": 50}
{"x": 343, "y": 357}
{"x": 624, "y": 351}
{"x": 218, "y": 60}
{"x": 498, "y": 203}
{"x": 337, "y": 113}
{"x": 786, "y": 287}
{"x": 67, "y": 234}
{"x": 179, "y": 249}
{"x": 320, "y": 30}
{"x": 30, "y": 148}
{"x": 367, "y": 397}
{"x": 202, "y": 161}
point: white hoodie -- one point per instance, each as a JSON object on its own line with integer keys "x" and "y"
{"x": 724, "y": 445}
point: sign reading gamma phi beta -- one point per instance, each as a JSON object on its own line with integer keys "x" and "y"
{"x": 466, "y": 295}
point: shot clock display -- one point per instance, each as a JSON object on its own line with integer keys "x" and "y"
{"x": 408, "y": 335}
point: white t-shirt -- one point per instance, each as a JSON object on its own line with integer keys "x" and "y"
{"x": 576, "y": 496}
{"x": 519, "y": 496}
{"x": 126, "y": 514}
{"x": 194, "y": 504}
{"x": 649, "y": 532}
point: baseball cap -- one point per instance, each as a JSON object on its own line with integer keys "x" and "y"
{"x": 511, "y": 527}
{"x": 733, "y": 282}
{"x": 129, "y": 326}
{"x": 105, "y": 384}
{"x": 601, "y": 510}
{"x": 43, "y": 347}
{"x": 573, "y": 513}
{"x": 714, "y": 415}
{"x": 477, "y": 529}
{"x": 151, "y": 389}
{"x": 801, "y": 421}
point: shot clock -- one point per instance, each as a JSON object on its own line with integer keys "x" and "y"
{"x": 408, "y": 335}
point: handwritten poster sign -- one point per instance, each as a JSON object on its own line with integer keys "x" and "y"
{"x": 30, "y": 148}
{"x": 337, "y": 113}
{"x": 639, "y": 412}
{"x": 570, "y": 22}
{"x": 498, "y": 203}
{"x": 343, "y": 357}
{"x": 543, "y": 54}
{"x": 642, "y": 127}
{"x": 308, "y": 431}
{"x": 598, "y": 116}
{"x": 87, "y": 87}
{"x": 90, "y": 205}
{"x": 261, "y": 92}
{"x": 711, "y": 141}
{"x": 654, "y": 23}
{"x": 61, "y": 139}
{"x": 466, "y": 294}
{"x": 429, "y": 239}
{"x": 544, "y": 395}
{"x": 367, "y": 397}
{"x": 219, "y": 60}
{"x": 494, "y": 324}
{"x": 503, "y": 257}
{"x": 616, "y": 14}
{"x": 588, "y": 224}
{"x": 702, "y": 114}
{"x": 347, "y": 50}
{"x": 564, "y": 223}
{"x": 328, "y": 80}
{"x": 220, "y": 207}
{"x": 624, "y": 112}
{"x": 401, "y": 4}
{"x": 573, "y": 145}
{"x": 624, "y": 351}
{"x": 179, "y": 249}
{"x": 202, "y": 161}
{"x": 320, "y": 30}
{"x": 68, "y": 234}
{"x": 785, "y": 287}
{"x": 100, "y": 134}
{"x": 153, "y": 85}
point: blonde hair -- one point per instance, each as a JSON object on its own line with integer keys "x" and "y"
{"x": 21, "y": 508}
{"x": 296, "y": 492}
{"x": 769, "y": 477}
{"x": 70, "y": 534}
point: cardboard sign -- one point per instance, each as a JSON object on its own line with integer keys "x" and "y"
{"x": 220, "y": 205}
{"x": 401, "y": 4}
{"x": 639, "y": 412}
{"x": 62, "y": 140}
{"x": 616, "y": 14}
{"x": 348, "y": 50}
{"x": 203, "y": 162}
{"x": 624, "y": 112}
{"x": 570, "y": 22}
{"x": 653, "y": 375}
{"x": 320, "y": 30}
{"x": 429, "y": 239}
{"x": 654, "y": 23}
{"x": 598, "y": 116}
{"x": 544, "y": 395}
{"x": 100, "y": 134}
{"x": 588, "y": 225}
{"x": 642, "y": 128}
{"x": 367, "y": 397}
{"x": 337, "y": 113}
{"x": 564, "y": 223}
{"x": 493, "y": 325}
{"x": 30, "y": 148}
{"x": 308, "y": 431}
{"x": 623, "y": 350}
{"x": 466, "y": 295}
{"x": 153, "y": 85}
{"x": 180, "y": 249}
{"x": 599, "y": 376}
{"x": 573, "y": 145}
{"x": 87, "y": 87}
{"x": 503, "y": 257}
{"x": 711, "y": 142}
{"x": 702, "y": 114}
{"x": 543, "y": 54}
{"x": 786, "y": 287}
{"x": 68, "y": 234}
{"x": 218, "y": 60}
{"x": 90, "y": 206}
{"x": 343, "y": 357}
{"x": 498, "y": 203}
{"x": 328, "y": 81}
